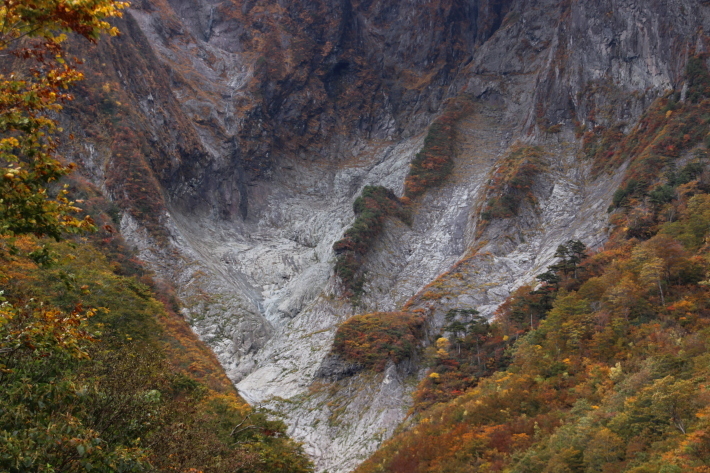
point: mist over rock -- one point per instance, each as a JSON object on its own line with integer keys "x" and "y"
{"x": 235, "y": 136}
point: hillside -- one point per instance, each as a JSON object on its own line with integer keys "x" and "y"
{"x": 353, "y": 201}
{"x": 604, "y": 366}
{"x": 97, "y": 370}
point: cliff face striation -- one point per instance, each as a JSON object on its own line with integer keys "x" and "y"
{"x": 235, "y": 135}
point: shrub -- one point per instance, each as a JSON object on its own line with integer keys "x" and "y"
{"x": 374, "y": 205}
{"x": 512, "y": 183}
{"x": 433, "y": 164}
{"x": 371, "y": 340}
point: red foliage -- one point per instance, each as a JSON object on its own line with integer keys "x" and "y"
{"x": 512, "y": 183}
{"x": 371, "y": 340}
{"x": 374, "y": 205}
{"x": 435, "y": 161}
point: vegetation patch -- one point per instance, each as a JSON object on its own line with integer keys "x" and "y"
{"x": 371, "y": 340}
{"x": 512, "y": 183}
{"x": 124, "y": 386}
{"x": 669, "y": 127}
{"x": 129, "y": 175}
{"x": 374, "y": 205}
{"x": 141, "y": 195}
{"x": 428, "y": 169}
{"x": 599, "y": 145}
{"x": 601, "y": 366}
{"x": 433, "y": 164}
{"x": 470, "y": 348}
{"x": 94, "y": 375}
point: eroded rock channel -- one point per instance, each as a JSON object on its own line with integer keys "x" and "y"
{"x": 261, "y": 122}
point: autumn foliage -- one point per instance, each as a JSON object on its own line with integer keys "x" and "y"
{"x": 373, "y": 340}
{"x": 512, "y": 183}
{"x": 668, "y": 128}
{"x": 33, "y": 33}
{"x": 85, "y": 340}
{"x": 433, "y": 164}
{"x": 604, "y": 365}
{"x": 371, "y": 208}
{"x": 122, "y": 387}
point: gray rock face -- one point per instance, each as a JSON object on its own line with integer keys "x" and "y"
{"x": 296, "y": 106}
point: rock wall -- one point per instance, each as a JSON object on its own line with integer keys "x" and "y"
{"x": 259, "y": 122}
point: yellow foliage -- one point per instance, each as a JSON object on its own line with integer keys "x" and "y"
{"x": 442, "y": 343}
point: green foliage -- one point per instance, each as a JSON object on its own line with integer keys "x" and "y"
{"x": 693, "y": 225}
{"x": 571, "y": 254}
{"x": 609, "y": 366}
{"x": 475, "y": 349}
{"x": 612, "y": 379}
{"x": 42, "y": 399}
{"x": 698, "y": 79}
{"x": 661, "y": 194}
{"x": 124, "y": 402}
{"x": 34, "y": 33}
{"x": 371, "y": 340}
{"x": 478, "y": 349}
{"x": 44, "y": 402}
{"x": 435, "y": 161}
{"x": 371, "y": 208}
{"x": 461, "y": 322}
{"x": 512, "y": 183}
{"x": 69, "y": 400}
{"x": 690, "y": 171}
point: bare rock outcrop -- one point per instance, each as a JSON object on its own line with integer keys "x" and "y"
{"x": 236, "y": 134}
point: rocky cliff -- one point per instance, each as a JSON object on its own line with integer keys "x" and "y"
{"x": 236, "y": 134}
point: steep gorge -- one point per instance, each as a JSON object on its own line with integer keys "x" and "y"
{"x": 235, "y": 136}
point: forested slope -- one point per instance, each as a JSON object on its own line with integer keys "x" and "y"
{"x": 99, "y": 373}
{"x": 341, "y": 193}
{"x": 603, "y": 364}
{"x": 97, "y": 370}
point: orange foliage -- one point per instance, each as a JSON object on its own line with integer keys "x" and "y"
{"x": 371, "y": 340}
{"x": 435, "y": 161}
{"x": 512, "y": 183}
{"x": 612, "y": 376}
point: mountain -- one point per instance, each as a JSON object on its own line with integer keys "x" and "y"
{"x": 236, "y": 137}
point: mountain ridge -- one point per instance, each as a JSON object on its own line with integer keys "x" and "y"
{"x": 256, "y": 124}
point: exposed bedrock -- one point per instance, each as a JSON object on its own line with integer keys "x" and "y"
{"x": 259, "y": 122}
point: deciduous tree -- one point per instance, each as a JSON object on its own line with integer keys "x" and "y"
{"x": 34, "y": 79}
